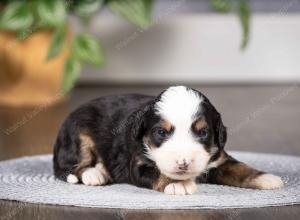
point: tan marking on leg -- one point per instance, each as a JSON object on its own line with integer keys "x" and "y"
{"x": 161, "y": 183}
{"x": 242, "y": 175}
{"x": 237, "y": 174}
{"x": 87, "y": 154}
{"x": 90, "y": 169}
{"x": 234, "y": 173}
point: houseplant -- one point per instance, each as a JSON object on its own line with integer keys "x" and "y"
{"x": 40, "y": 57}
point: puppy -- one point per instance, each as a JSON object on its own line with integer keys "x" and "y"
{"x": 167, "y": 143}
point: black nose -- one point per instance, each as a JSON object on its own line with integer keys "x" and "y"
{"x": 183, "y": 166}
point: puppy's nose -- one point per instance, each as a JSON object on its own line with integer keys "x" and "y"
{"x": 183, "y": 164}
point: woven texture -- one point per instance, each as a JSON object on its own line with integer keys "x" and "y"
{"x": 30, "y": 179}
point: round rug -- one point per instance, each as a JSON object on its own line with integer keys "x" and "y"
{"x": 30, "y": 179}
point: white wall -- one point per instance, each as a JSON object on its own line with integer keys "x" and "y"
{"x": 198, "y": 48}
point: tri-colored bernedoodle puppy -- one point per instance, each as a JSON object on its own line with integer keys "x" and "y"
{"x": 167, "y": 143}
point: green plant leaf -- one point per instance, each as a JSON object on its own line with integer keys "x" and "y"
{"x": 87, "y": 8}
{"x": 136, "y": 11}
{"x": 71, "y": 74}
{"x": 222, "y": 6}
{"x": 87, "y": 49}
{"x": 16, "y": 16}
{"x": 57, "y": 43}
{"x": 51, "y": 12}
{"x": 244, "y": 13}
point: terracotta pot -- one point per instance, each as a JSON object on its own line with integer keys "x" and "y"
{"x": 26, "y": 78}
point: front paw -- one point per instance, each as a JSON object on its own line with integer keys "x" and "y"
{"x": 267, "y": 181}
{"x": 93, "y": 177}
{"x": 187, "y": 187}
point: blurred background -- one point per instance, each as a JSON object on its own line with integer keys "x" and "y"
{"x": 242, "y": 54}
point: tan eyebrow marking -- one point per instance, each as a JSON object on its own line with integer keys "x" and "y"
{"x": 166, "y": 125}
{"x": 200, "y": 124}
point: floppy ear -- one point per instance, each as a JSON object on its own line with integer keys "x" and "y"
{"x": 220, "y": 132}
{"x": 139, "y": 122}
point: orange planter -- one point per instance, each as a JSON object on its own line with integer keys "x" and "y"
{"x": 26, "y": 78}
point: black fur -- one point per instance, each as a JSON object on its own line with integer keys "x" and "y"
{"x": 114, "y": 128}
{"x": 117, "y": 125}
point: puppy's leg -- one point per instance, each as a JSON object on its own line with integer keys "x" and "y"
{"x": 229, "y": 171}
{"x": 87, "y": 170}
{"x": 174, "y": 187}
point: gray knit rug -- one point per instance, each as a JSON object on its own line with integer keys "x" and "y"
{"x": 30, "y": 179}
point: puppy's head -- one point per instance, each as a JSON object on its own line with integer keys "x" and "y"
{"x": 181, "y": 131}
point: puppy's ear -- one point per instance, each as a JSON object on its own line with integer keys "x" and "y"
{"x": 220, "y": 133}
{"x": 219, "y": 130}
{"x": 139, "y": 121}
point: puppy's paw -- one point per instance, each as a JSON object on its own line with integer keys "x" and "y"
{"x": 187, "y": 187}
{"x": 267, "y": 181}
{"x": 190, "y": 186}
{"x": 71, "y": 178}
{"x": 93, "y": 177}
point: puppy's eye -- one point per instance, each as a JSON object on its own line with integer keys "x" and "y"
{"x": 162, "y": 132}
{"x": 203, "y": 133}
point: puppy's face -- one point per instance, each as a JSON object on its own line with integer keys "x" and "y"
{"x": 183, "y": 134}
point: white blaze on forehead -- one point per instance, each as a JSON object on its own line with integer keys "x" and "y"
{"x": 178, "y": 105}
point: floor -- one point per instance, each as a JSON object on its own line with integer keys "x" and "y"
{"x": 259, "y": 118}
